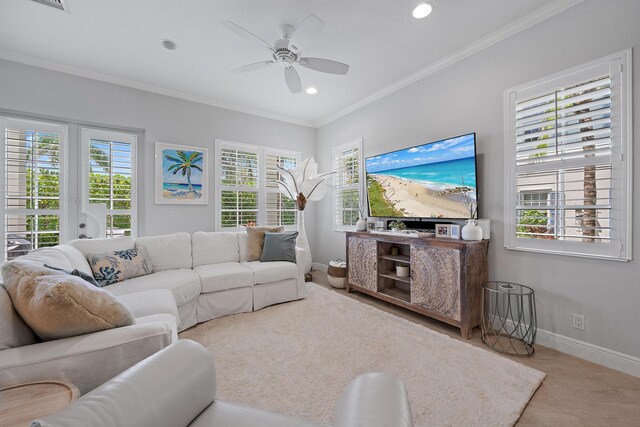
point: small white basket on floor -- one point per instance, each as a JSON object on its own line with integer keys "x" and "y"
{"x": 337, "y": 273}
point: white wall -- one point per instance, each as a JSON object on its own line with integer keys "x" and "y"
{"x": 38, "y": 91}
{"x": 468, "y": 97}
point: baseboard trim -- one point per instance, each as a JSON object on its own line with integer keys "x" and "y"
{"x": 320, "y": 267}
{"x": 593, "y": 353}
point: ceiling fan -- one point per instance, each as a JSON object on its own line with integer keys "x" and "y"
{"x": 287, "y": 53}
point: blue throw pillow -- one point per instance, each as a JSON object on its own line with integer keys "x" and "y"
{"x": 75, "y": 272}
{"x": 279, "y": 247}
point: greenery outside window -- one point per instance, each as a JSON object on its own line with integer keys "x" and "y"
{"x": 348, "y": 195}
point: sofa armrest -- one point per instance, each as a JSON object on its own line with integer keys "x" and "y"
{"x": 86, "y": 360}
{"x": 374, "y": 400}
{"x": 300, "y": 254}
{"x": 168, "y": 389}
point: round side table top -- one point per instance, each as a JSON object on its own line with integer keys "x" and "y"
{"x": 21, "y": 404}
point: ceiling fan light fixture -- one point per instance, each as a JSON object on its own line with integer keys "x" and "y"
{"x": 311, "y": 90}
{"x": 168, "y": 44}
{"x": 422, "y": 10}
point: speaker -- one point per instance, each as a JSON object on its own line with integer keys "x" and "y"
{"x": 485, "y": 224}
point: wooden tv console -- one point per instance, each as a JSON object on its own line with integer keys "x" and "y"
{"x": 445, "y": 280}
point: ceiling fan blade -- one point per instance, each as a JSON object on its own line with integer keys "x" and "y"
{"x": 292, "y": 78}
{"x": 247, "y": 35}
{"x": 306, "y": 31}
{"x": 324, "y": 65}
{"x": 251, "y": 67}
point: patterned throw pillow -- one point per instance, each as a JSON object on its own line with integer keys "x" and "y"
{"x": 113, "y": 267}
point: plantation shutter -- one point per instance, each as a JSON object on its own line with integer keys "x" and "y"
{"x": 239, "y": 186}
{"x": 564, "y": 143}
{"x": 111, "y": 180}
{"x": 32, "y": 203}
{"x": 348, "y": 183}
{"x": 280, "y": 209}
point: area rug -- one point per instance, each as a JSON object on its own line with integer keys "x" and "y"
{"x": 296, "y": 359}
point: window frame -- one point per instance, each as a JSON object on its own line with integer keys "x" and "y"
{"x": 340, "y": 150}
{"x": 620, "y": 246}
{"x": 63, "y": 209}
{"x": 113, "y": 136}
{"x": 261, "y": 189}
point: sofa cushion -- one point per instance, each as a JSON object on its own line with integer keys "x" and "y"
{"x": 56, "y": 305}
{"x": 167, "y": 252}
{"x": 242, "y": 245}
{"x": 147, "y": 303}
{"x": 215, "y": 247}
{"x": 101, "y": 245}
{"x": 116, "y": 266}
{"x": 255, "y": 240}
{"x": 13, "y": 331}
{"x": 75, "y": 257}
{"x": 223, "y": 276}
{"x": 279, "y": 247}
{"x": 51, "y": 256}
{"x": 183, "y": 283}
{"x": 269, "y": 272}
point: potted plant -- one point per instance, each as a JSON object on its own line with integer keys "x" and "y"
{"x": 402, "y": 269}
{"x": 397, "y": 226}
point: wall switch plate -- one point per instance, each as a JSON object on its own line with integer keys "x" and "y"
{"x": 578, "y": 321}
{"x": 173, "y": 215}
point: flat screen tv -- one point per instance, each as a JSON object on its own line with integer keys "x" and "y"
{"x": 433, "y": 180}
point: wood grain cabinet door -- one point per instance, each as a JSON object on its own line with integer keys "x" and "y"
{"x": 435, "y": 280}
{"x": 362, "y": 263}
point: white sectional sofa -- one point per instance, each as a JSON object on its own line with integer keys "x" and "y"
{"x": 195, "y": 279}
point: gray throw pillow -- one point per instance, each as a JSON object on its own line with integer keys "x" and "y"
{"x": 279, "y": 247}
{"x": 76, "y": 272}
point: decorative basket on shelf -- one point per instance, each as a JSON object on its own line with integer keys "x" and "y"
{"x": 337, "y": 273}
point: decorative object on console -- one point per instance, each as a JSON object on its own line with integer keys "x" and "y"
{"x": 56, "y": 305}
{"x": 397, "y": 226}
{"x": 181, "y": 174}
{"x": 279, "y": 247}
{"x": 454, "y": 231}
{"x": 471, "y": 231}
{"x": 443, "y": 230}
{"x": 402, "y": 269}
{"x": 485, "y": 224}
{"x": 361, "y": 224}
{"x": 255, "y": 241}
{"x": 337, "y": 273}
{"x": 394, "y": 251}
{"x": 303, "y": 184}
{"x": 116, "y": 266}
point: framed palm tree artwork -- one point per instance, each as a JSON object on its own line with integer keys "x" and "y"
{"x": 181, "y": 174}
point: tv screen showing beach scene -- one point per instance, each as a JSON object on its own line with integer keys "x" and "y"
{"x": 433, "y": 180}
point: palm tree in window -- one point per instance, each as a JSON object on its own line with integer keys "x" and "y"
{"x": 185, "y": 162}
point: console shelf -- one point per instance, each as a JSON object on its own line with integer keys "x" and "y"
{"x": 445, "y": 275}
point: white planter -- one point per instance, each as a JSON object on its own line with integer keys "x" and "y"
{"x": 471, "y": 231}
{"x": 361, "y": 225}
{"x": 303, "y": 243}
{"x": 402, "y": 271}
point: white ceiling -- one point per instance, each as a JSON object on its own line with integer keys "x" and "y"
{"x": 119, "y": 41}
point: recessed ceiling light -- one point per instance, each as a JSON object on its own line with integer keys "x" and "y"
{"x": 312, "y": 90}
{"x": 422, "y": 10}
{"x": 168, "y": 44}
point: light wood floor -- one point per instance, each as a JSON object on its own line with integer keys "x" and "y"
{"x": 574, "y": 393}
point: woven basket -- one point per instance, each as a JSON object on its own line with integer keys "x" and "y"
{"x": 337, "y": 271}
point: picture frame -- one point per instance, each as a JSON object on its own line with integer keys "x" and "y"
{"x": 454, "y": 231}
{"x": 181, "y": 174}
{"x": 443, "y": 230}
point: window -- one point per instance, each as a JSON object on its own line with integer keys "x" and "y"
{"x": 348, "y": 195}
{"x": 109, "y": 159}
{"x": 246, "y": 191}
{"x": 568, "y": 166}
{"x": 32, "y": 181}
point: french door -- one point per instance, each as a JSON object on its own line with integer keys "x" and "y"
{"x": 62, "y": 181}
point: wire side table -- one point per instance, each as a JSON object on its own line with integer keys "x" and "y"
{"x": 508, "y": 321}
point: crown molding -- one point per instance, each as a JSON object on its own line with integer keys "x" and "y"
{"x": 527, "y": 21}
{"x": 67, "y": 69}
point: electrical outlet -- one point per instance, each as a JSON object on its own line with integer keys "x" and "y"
{"x": 578, "y": 321}
{"x": 173, "y": 215}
